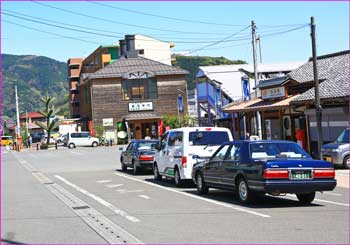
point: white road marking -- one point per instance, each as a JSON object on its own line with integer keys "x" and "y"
{"x": 197, "y": 197}
{"x": 332, "y": 194}
{"x": 326, "y": 201}
{"x": 103, "y": 181}
{"x": 113, "y": 186}
{"x": 76, "y": 153}
{"x": 144, "y": 196}
{"x": 100, "y": 200}
{"x": 126, "y": 191}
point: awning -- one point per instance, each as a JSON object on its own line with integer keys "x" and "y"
{"x": 141, "y": 116}
{"x": 259, "y": 104}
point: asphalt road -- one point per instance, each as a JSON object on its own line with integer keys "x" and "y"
{"x": 80, "y": 196}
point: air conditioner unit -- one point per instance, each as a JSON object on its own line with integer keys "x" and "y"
{"x": 287, "y": 126}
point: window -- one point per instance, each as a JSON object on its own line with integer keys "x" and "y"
{"x": 139, "y": 89}
{"x": 175, "y": 139}
{"x": 220, "y": 155}
{"x": 164, "y": 140}
{"x": 276, "y": 150}
{"x": 208, "y": 137}
{"x": 234, "y": 153}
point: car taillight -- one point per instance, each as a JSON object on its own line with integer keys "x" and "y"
{"x": 324, "y": 173}
{"x": 276, "y": 174}
{"x": 184, "y": 161}
{"x": 146, "y": 158}
{"x": 207, "y": 129}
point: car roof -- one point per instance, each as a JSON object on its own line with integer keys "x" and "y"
{"x": 143, "y": 141}
{"x": 193, "y": 129}
{"x": 262, "y": 141}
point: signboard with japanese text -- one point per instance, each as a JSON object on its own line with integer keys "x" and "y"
{"x": 273, "y": 93}
{"x": 140, "y": 106}
{"x": 107, "y": 122}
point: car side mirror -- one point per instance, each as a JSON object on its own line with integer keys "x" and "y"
{"x": 157, "y": 146}
{"x": 121, "y": 148}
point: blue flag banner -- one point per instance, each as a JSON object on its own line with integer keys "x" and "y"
{"x": 245, "y": 85}
{"x": 180, "y": 105}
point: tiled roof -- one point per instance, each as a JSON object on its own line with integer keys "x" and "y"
{"x": 333, "y": 74}
{"x": 259, "y": 104}
{"x": 32, "y": 114}
{"x": 125, "y": 65}
{"x": 142, "y": 115}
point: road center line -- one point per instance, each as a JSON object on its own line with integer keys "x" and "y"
{"x": 100, "y": 200}
{"x": 197, "y": 197}
{"x": 144, "y": 196}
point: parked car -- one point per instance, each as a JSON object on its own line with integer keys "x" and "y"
{"x": 37, "y": 136}
{"x": 81, "y": 139}
{"x": 60, "y": 139}
{"x": 6, "y": 140}
{"x": 252, "y": 168}
{"x": 338, "y": 152}
{"x": 138, "y": 154}
{"x": 174, "y": 156}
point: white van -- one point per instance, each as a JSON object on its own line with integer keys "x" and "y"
{"x": 177, "y": 146}
{"x": 81, "y": 139}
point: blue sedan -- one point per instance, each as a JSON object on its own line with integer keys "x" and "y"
{"x": 252, "y": 168}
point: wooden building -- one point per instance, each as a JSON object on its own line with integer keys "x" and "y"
{"x": 133, "y": 89}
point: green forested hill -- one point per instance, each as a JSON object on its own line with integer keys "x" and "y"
{"x": 191, "y": 63}
{"x": 33, "y": 75}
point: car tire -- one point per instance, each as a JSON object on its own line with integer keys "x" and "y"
{"x": 202, "y": 187}
{"x": 94, "y": 144}
{"x": 244, "y": 195}
{"x": 124, "y": 167}
{"x": 306, "y": 198}
{"x": 71, "y": 145}
{"x": 177, "y": 178}
{"x": 135, "y": 169}
{"x": 58, "y": 141}
{"x": 345, "y": 162}
{"x": 156, "y": 174}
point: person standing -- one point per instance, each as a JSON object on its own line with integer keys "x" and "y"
{"x": 30, "y": 141}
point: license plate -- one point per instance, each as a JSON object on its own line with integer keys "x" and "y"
{"x": 301, "y": 175}
{"x": 328, "y": 159}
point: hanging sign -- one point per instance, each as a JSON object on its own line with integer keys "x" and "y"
{"x": 273, "y": 93}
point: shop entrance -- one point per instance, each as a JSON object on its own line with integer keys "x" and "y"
{"x": 144, "y": 129}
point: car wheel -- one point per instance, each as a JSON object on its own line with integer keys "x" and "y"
{"x": 202, "y": 187}
{"x": 58, "y": 141}
{"x": 306, "y": 198}
{"x": 177, "y": 178}
{"x": 94, "y": 144}
{"x": 71, "y": 145}
{"x": 124, "y": 167}
{"x": 243, "y": 193}
{"x": 156, "y": 174}
{"x": 346, "y": 162}
{"x": 135, "y": 169}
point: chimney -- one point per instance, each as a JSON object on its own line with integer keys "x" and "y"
{"x": 130, "y": 46}
{"x": 122, "y": 44}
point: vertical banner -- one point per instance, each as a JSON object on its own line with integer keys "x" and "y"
{"x": 160, "y": 128}
{"x": 91, "y": 128}
{"x": 245, "y": 88}
{"x": 180, "y": 105}
{"x": 218, "y": 100}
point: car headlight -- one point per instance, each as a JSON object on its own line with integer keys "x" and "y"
{"x": 335, "y": 150}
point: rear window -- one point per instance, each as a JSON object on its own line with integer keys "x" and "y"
{"x": 208, "y": 137}
{"x": 276, "y": 150}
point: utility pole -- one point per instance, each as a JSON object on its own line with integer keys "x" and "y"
{"x": 18, "y": 128}
{"x": 317, "y": 92}
{"x": 258, "y": 119}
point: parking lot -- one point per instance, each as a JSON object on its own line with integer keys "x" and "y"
{"x": 64, "y": 183}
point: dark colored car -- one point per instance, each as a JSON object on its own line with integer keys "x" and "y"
{"x": 37, "y": 136}
{"x": 253, "y": 168}
{"x": 138, "y": 154}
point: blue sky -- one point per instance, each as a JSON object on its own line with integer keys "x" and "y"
{"x": 332, "y": 27}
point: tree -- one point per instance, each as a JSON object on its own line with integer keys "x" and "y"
{"x": 173, "y": 121}
{"x": 48, "y": 113}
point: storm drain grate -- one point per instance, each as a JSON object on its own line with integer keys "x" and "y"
{"x": 80, "y": 207}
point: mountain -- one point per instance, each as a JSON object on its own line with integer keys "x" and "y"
{"x": 33, "y": 75}
{"x": 191, "y": 63}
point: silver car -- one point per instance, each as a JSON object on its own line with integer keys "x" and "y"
{"x": 338, "y": 152}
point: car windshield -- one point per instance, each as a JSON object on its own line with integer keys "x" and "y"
{"x": 276, "y": 150}
{"x": 208, "y": 137}
{"x": 343, "y": 137}
{"x": 146, "y": 145}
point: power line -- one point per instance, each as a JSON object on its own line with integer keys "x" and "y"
{"x": 122, "y": 23}
{"x": 51, "y": 33}
{"x": 107, "y": 35}
{"x": 162, "y": 16}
